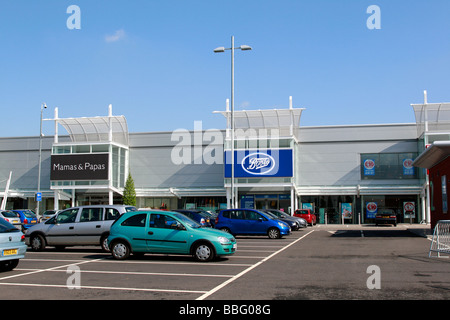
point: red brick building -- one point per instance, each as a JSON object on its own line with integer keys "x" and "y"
{"x": 436, "y": 159}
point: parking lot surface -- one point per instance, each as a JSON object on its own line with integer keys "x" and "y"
{"x": 316, "y": 263}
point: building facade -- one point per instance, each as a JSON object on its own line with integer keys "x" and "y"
{"x": 343, "y": 173}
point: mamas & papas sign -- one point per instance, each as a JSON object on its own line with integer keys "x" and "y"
{"x": 79, "y": 167}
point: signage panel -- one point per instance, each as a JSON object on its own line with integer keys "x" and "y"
{"x": 79, "y": 167}
{"x": 257, "y": 164}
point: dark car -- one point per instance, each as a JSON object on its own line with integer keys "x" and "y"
{"x": 291, "y": 222}
{"x": 386, "y": 216}
{"x": 198, "y": 216}
{"x": 281, "y": 214}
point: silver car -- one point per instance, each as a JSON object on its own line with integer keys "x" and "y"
{"x": 84, "y": 225}
{"x": 12, "y": 246}
{"x": 12, "y": 218}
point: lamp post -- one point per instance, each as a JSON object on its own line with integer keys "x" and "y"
{"x": 222, "y": 49}
{"x": 43, "y": 106}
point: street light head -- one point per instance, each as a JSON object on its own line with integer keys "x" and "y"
{"x": 44, "y": 105}
{"x": 245, "y": 47}
{"x": 219, "y": 49}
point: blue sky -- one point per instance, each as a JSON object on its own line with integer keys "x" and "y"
{"x": 154, "y": 60}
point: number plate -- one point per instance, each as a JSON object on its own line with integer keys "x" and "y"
{"x": 9, "y": 252}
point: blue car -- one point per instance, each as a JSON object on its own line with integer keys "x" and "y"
{"x": 251, "y": 222}
{"x": 141, "y": 232}
{"x": 27, "y": 217}
{"x": 12, "y": 246}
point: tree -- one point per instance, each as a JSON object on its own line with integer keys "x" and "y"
{"x": 129, "y": 193}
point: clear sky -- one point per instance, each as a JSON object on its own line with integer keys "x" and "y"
{"x": 153, "y": 60}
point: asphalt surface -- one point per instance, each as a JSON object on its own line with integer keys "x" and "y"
{"x": 321, "y": 263}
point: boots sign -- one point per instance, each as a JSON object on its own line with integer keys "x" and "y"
{"x": 79, "y": 167}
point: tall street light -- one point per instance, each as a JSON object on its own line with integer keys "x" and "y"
{"x": 43, "y": 106}
{"x": 222, "y": 49}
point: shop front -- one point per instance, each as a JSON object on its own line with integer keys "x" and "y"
{"x": 351, "y": 209}
{"x": 266, "y": 201}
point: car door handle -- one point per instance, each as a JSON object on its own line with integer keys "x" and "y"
{"x": 150, "y": 232}
{"x": 98, "y": 226}
{"x": 70, "y": 228}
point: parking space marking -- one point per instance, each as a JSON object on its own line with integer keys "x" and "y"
{"x": 43, "y": 270}
{"x": 177, "y": 263}
{"x": 224, "y": 284}
{"x": 266, "y": 250}
{"x": 102, "y": 288}
{"x": 140, "y": 273}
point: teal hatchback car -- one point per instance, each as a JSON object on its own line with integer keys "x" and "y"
{"x": 167, "y": 232}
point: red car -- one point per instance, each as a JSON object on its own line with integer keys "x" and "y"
{"x": 307, "y": 215}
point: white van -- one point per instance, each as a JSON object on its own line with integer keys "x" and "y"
{"x": 84, "y": 225}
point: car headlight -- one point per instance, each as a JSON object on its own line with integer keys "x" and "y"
{"x": 281, "y": 224}
{"x": 223, "y": 240}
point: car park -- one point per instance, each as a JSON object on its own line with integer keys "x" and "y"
{"x": 385, "y": 216}
{"x": 306, "y": 214}
{"x": 27, "y": 217}
{"x": 199, "y": 216}
{"x": 12, "y": 217}
{"x": 12, "y": 246}
{"x": 281, "y": 214}
{"x": 169, "y": 233}
{"x": 84, "y": 225}
{"x": 250, "y": 222}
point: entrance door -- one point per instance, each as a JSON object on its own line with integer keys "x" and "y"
{"x": 262, "y": 204}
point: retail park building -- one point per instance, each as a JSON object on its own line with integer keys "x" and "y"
{"x": 344, "y": 173}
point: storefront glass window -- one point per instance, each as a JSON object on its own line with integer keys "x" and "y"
{"x": 388, "y": 166}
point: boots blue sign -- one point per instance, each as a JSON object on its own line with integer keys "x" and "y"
{"x": 255, "y": 163}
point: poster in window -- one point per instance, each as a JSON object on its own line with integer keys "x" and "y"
{"x": 369, "y": 167}
{"x": 409, "y": 209}
{"x": 346, "y": 210}
{"x": 408, "y": 169}
{"x": 371, "y": 209}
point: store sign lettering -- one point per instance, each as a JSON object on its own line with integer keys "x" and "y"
{"x": 79, "y": 167}
{"x": 258, "y": 163}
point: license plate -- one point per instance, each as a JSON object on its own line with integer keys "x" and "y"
{"x": 9, "y": 252}
{"x": 386, "y": 217}
{"x": 32, "y": 221}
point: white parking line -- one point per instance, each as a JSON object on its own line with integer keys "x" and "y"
{"x": 178, "y": 263}
{"x": 224, "y": 284}
{"x": 110, "y": 260}
{"x": 43, "y": 270}
{"x": 97, "y": 287}
{"x": 139, "y": 273}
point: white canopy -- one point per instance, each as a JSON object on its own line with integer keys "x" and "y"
{"x": 432, "y": 117}
{"x": 94, "y": 129}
